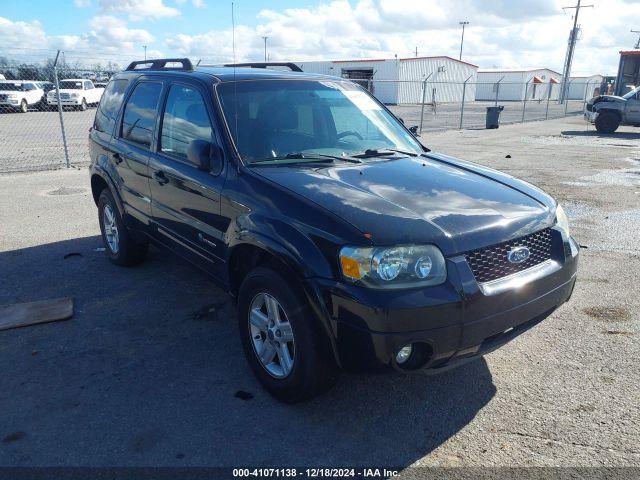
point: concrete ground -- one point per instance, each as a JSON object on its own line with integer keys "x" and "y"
{"x": 146, "y": 371}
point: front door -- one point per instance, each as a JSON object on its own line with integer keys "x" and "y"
{"x": 633, "y": 109}
{"x": 186, "y": 200}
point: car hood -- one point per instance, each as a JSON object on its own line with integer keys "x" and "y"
{"x": 437, "y": 199}
{"x": 606, "y": 98}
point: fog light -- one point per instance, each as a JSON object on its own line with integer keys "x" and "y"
{"x": 404, "y": 353}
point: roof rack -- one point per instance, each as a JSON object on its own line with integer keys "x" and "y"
{"x": 292, "y": 66}
{"x": 160, "y": 64}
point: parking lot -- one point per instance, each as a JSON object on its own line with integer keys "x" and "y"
{"x": 147, "y": 371}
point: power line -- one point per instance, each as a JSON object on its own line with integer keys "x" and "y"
{"x": 573, "y": 38}
{"x": 637, "y": 45}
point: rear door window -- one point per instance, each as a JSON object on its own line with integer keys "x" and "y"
{"x": 185, "y": 119}
{"x": 140, "y": 114}
{"x": 110, "y": 106}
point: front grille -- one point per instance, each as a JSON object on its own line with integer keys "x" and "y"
{"x": 491, "y": 263}
{"x": 589, "y": 107}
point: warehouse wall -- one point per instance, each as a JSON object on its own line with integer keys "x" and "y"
{"x": 582, "y": 88}
{"x": 385, "y": 76}
{"x": 448, "y": 84}
{"x": 511, "y": 87}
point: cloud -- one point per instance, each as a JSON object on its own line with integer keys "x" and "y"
{"x": 22, "y": 34}
{"x": 195, "y": 3}
{"x": 82, "y": 3}
{"x": 502, "y": 33}
{"x": 108, "y": 31}
{"x": 139, "y": 10}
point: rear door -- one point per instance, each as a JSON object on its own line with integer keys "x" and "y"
{"x": 130, "y": 151}
{"x": 185, "y": 199}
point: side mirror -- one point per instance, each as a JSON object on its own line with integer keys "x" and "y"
{"x": 205, "y": 155}
{"x": 414, "y": 130}
{"x": 401, "y": 120}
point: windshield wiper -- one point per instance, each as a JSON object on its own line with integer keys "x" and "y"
{"x": 306, "y": 158}
{"x": 374, "y": 152}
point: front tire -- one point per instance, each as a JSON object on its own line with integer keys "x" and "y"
{"x": 607, "y": 122}
{"x": 281, "y": 339}
{"x": 24, "y": 106}
{"x": 119, "y": 244}
{"x": 83, "y": 105}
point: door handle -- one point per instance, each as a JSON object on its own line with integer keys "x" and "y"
{"x": 117, "y": 158}
{"x": 160, "y": 177}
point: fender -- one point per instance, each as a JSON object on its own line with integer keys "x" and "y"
{"x": 299, "y": 253}
{"x": 99, "y": 170}
{"x": 290, "y": 241}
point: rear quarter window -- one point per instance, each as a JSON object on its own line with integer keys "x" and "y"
{"x": 109, "y": 106}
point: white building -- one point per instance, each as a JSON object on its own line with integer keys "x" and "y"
{"x": 516, "y": 85}
{"x": 584, "y": 87}
{"x": 402, "y": 80}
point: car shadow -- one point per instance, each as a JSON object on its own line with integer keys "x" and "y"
{"x": 595, "y": 133}
{"x": 149, "y": 369}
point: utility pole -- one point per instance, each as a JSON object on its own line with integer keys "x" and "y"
{"x": 145, "y": 51}
{"x": 416, "y": 52}
{"x": 637, "y": 45}
{"x": 265, "y": 48}
{"x": 462, "y": 39}
{"x": 573, "y": 38}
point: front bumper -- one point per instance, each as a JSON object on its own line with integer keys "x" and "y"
{"x": 10, "y": 102}
{"x": 590, "y": 116}
{"x": 454, "y": 322}
{"x": 65, "y": 101}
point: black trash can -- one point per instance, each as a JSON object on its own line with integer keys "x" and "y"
{"x": 493, "y": 116}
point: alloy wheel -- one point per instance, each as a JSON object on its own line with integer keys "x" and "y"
{"x": 271, "y": 335}
{"x": 110, "y": 228}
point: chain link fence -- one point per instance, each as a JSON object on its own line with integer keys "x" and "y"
{"x": 39, "y": 133}
{"x": 44, "y": 135}
{"x": 432, "y": 106}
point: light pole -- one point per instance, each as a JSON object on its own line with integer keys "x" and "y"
{"x": 265, "y": 48}
{"x": 145, "y": 51}
{"x": 462, "y": 40}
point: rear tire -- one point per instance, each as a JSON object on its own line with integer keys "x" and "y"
{"x": 607, "y": 122}
{"x": 119, "y": 244}
{"x": 310, "y": 370}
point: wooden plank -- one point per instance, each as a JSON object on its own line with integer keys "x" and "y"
{"x": 31, "y": 313}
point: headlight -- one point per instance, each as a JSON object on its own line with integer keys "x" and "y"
{"x": 563, "y": 222}
{"x": 404, "y": 266}
{"x": 74, "y": 95}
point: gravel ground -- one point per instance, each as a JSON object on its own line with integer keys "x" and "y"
{"x": 142, "y": 375}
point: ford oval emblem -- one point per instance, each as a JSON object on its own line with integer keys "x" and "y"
{"x": 518, "y": 254}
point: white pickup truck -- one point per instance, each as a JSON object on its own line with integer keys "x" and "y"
{"x": 77, "y": 93}
{"x": 20, "y": 95}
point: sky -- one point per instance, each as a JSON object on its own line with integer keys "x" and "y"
{"x": 501, "y": 33}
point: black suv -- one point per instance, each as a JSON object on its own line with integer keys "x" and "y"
{"x": 344, "y": 241}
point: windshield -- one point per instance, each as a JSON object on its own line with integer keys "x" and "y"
{"x": 280, "y": 117}
{"x": 12, "y": 87}
{"x": 630, "y": 94}
{"x": 71, "y": 85}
